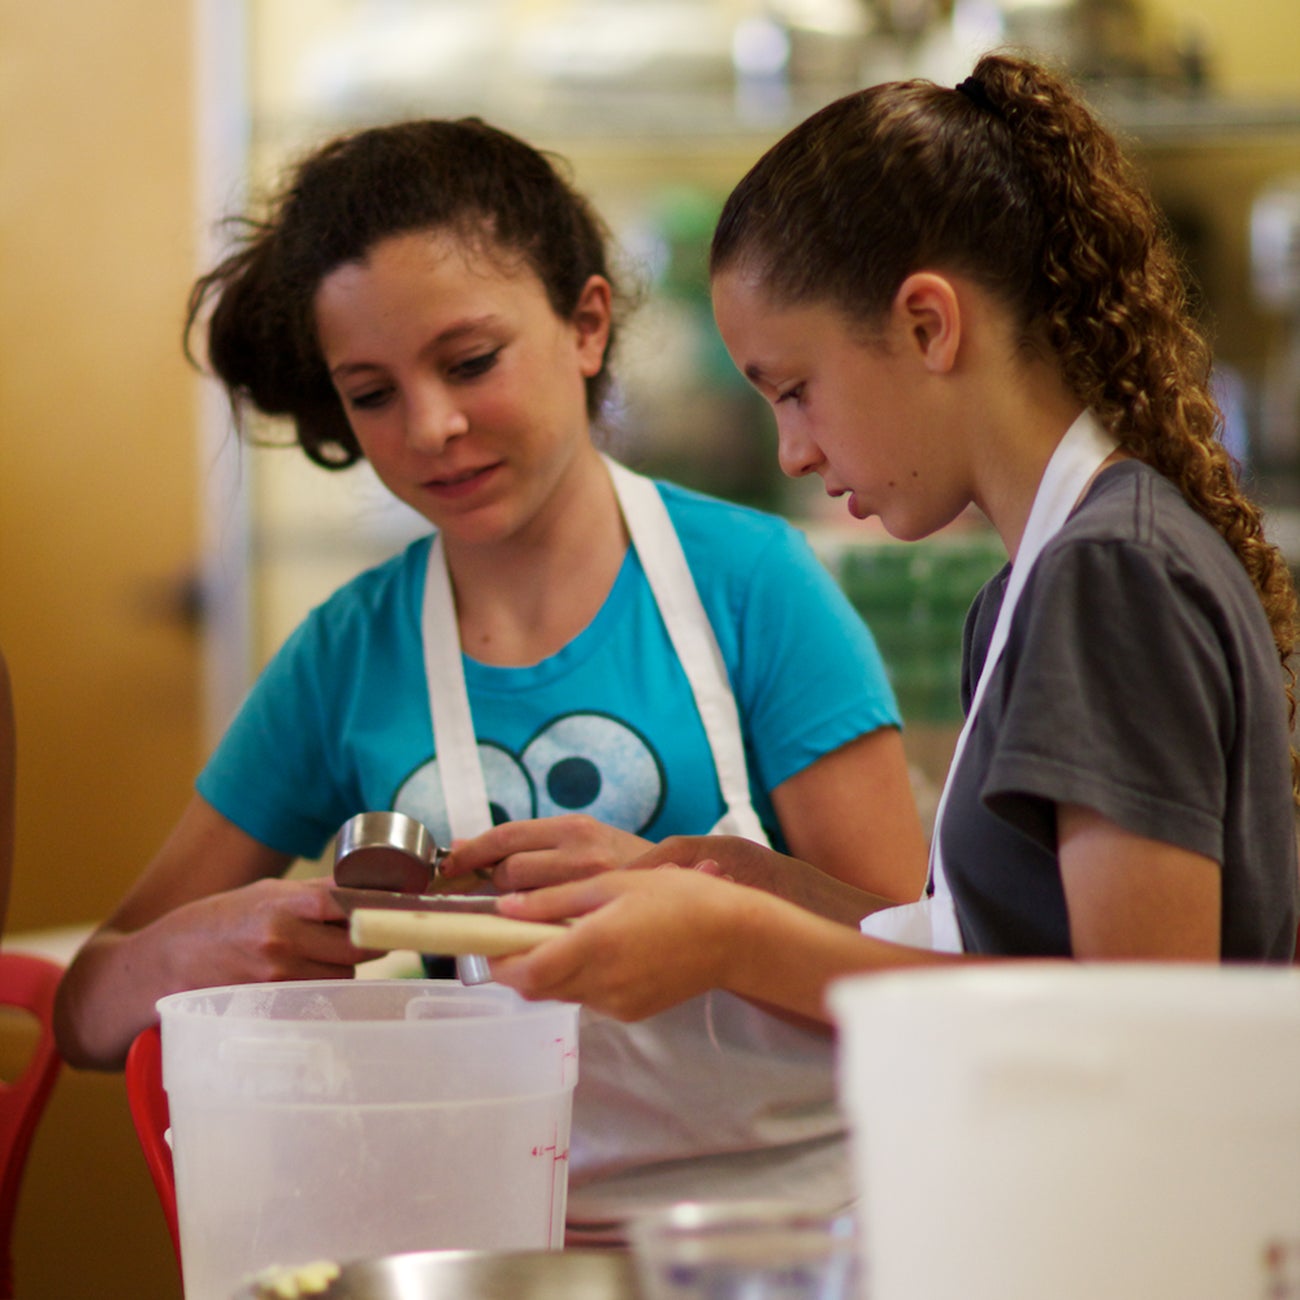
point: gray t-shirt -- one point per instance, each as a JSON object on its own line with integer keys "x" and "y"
{"x": 1139, "y": 679}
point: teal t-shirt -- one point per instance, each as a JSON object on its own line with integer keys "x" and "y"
{"x": 338, "y": 723}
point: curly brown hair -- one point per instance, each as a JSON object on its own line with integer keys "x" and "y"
{"x": 1015, "y": 183}
{"x": 486, "y": 185}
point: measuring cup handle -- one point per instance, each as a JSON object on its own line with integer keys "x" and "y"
{"x": 435, "y": 868}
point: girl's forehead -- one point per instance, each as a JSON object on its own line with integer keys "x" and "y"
{"x": 426, "y": 270}
{"x": 471, "y": 247}
{"x": 422, "y": 285}
{"x": 741, "y": 300}
{"x": 738, "y": 301}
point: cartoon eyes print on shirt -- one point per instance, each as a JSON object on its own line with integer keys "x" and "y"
{"x": 509, "y": 787}
{"x": 594, "y": 764}
{"x": 580, "y": 763}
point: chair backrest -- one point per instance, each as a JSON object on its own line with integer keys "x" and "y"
{"x": 28, "y": 983}
{"x": 149, "y": 1113}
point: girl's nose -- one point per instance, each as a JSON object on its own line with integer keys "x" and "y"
{"x": 433, "y": 419}
{"x": 797, "y": 454}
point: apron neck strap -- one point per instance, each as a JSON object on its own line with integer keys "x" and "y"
{"x": 1078, "y": 456}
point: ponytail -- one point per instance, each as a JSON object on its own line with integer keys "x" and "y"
{"x": 1118, "y": 318}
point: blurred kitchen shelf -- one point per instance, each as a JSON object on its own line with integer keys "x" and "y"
{"x": 914, "y": 597}
{"x": 621, "y": 145}
{"x": 722, "y": 118}
{"x": 1157, "y": 119}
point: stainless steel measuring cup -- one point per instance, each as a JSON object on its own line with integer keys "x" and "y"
{"x": 391, "y": 851}
{"x": 386, "y": 850}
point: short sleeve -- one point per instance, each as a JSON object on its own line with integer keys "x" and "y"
{"x": 272, "y": 773}
{"x": 811, "y": 677}
{"x": 1116, "y": 695}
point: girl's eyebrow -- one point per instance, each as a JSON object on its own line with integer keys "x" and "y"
{"x": 758, "y": 376}
{"x": 461, "y": 328}
{"x": 450, "y": 335}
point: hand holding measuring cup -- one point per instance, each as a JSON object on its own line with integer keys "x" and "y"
{"x": 533, "y": 853}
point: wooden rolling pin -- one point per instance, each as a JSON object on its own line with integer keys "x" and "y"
{"x": 450, "y": 934}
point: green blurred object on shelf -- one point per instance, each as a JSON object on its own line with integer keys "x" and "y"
{"x": 914, "y": 597}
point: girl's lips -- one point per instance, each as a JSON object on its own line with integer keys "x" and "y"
{"x": 855, "y": 508}
{"x": 452, "y": 487}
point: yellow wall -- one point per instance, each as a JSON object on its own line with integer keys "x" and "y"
{"x": 1254, "y": 45}
{"x": 98, "y": 483}
{"x": 97, "y": 517}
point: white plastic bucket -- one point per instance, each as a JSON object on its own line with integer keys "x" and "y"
{"x": 343, "y": 1119}
{"x": 1048, "y": 1129}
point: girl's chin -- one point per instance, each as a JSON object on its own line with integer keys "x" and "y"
{"x": 476, "y": 528}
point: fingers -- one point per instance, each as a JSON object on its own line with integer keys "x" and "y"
{"x": 544, "y": 972}
{"x": 314, "y": 899}
{"x": 330, "y": 943}
{"x": 296, "y": 929}
{"x": 499, "y": 865}
{"x": 675, "y": 851}
{"x": 559, "y": 902}
{"x": 484, "y": 852}
{"x": 708, "y": 867}
{"x": 574, "y": 968}
{"x": 544, "y": 851}
{"x": 530, "y": 871}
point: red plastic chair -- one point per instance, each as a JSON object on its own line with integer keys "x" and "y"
{"x": 27, "y": 982}
{"x": 150, "y": 1115}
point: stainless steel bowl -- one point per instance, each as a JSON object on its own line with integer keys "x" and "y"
{"x": 480, "y": 1275}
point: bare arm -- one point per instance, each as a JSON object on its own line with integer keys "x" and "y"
{"x": 1128, "y": 897}
{"x": 209, "y": 910}
{"x": 746, "y": 863}
{"x": 648, "y": 940}
{"x": 853, "y": 815}
{"x": 852, "y": 826}
{"x": 1136, "y": 898}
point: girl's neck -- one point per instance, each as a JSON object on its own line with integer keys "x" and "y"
{"x": 522, "y": 600}
{"x": 1028, "y": 421}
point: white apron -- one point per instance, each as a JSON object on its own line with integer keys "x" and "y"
{"x": 746, "y": 1098}
{"x": 931, "y": 922}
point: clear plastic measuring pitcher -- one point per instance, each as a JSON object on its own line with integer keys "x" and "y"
{"x": 343, "y": 1119}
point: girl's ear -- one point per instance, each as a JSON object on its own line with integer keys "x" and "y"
{"x": 592, "y": 318}
{"x": 927, "y": 313}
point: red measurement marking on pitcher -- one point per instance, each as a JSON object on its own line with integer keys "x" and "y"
{"x": 568, "y": 1062}
{"x": 559, "y": 1156}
